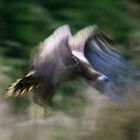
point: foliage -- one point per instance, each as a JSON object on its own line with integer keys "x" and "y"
{"x": 23, "y": 24}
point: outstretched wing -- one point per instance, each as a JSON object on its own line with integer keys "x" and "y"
{"x": 76, "y": 45}
{"x": 97, "y": 48}
{"x": 99, "y": 52}
{"x": 46, "y": 65}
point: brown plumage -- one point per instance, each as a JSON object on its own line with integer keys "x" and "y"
{"x": 52, "y": 65}
{"x": 63, "y": 57}
{"x": 22, "y": 86}
{"x": 98, "y": 50}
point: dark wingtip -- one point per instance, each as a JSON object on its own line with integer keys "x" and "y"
{"x": 18, "y": 88}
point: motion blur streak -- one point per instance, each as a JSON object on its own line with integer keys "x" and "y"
{"x": 79, "y": 112}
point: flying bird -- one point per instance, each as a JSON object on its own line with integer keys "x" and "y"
{"x": 63, "y": 57}
{"x": 52, "y": 65}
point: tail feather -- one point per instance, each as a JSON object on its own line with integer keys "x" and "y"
{"x": 21, "y": 86}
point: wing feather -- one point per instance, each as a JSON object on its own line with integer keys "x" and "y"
{"x": 99, "y": 52}
{"x": 98, "y": 49}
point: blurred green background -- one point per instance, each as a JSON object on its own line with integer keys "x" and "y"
{"x": 23, "y": 24}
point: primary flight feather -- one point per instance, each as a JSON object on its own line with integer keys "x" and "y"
{"x": 63, "y": 57}
{"x": 97, "y": 48}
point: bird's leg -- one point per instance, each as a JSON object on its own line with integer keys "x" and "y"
{"x": 42, "y": 98}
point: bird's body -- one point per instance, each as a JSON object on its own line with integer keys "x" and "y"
{"x": 63, "y": 57}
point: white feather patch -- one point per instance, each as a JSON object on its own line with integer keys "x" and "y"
{"x": 77, "y": 42}
{"x": 49, "y": 44}
{"x": 80, "y": 56}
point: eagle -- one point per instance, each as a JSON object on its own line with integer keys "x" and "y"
{"x": 63, "y": 57}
